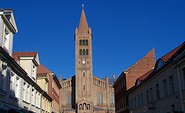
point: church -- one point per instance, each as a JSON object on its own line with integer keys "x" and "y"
{"x": 83, "y": 92}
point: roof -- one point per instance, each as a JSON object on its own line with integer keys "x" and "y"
{"x": 170, "y": 55}
{"x": 25, "y": 54}
{"x": 83, "y": 25}
{"x": 41, "y": 69}
{"x": 150, "y": 54}
{"x": 167, "y": 56}
{"x": 146, "y": 75}
{"x": 9, "y": 20}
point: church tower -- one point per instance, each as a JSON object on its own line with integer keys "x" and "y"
{"x": 84, "y": 77}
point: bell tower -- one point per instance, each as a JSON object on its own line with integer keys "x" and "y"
{"x": 83, "y": 47}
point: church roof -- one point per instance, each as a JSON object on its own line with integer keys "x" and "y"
{"x": 83, "y": 25}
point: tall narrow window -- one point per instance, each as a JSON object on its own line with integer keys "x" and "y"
{"x": 157, "y": 91}
{"x": 83, "y": 74}
{"x": 99, "y": 98}
{"x": 165, "y": 87}
{"x": 86, "y": 42}
{"x": 80, "y": 42}
{"x": 147, "y": 96}
{"x": 141, "y": 99}
{"x": 151, "y": 95}
{"x": 87, "y": 51}
{"x": 135, "y": 104}
{"x": 111, "y": 98}
{"x": 81, "y": 53}
{"x": 83, "y": 42}
{"x": 183, "y": 74}
{"x": 84, "y": 52}
{"x": 68, "y": 101}
{"x": 171, "y": 84}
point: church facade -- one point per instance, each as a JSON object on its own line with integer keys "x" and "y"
{"x": 83, "y": 92}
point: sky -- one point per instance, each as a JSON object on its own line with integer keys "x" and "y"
{"x": 124, "y": 31}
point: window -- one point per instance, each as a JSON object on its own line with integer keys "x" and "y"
{"x": 87, "y": 52}
{"x": 151, "y": 95}
{"x": 183, "y": 74}
{"x": 171, "y": 84}
{"x": 84, "y": 52}
{"x": 83, "y": 74}
{"x": 83, "y": 42}
{"x": 86, "y": 41}
{"x": 99, "y": 98}
{"x": 135, "y": 102}
{"x": 7, "y": 39}
{"x": 111, "y": 98}
{"x": 157, "y": 91}
{"x": 80, "y": 52}
{"x": 147, "y": 96}
{"x": 141, "y": 99}
{"x": 68, "y": 101}
{"x": 165, "y": 87}
{"x": 80, "y": 42}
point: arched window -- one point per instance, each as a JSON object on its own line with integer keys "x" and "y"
{"x": 81, "y": 53}
{"x": 80, "y": 106}
{"x": 83, "y": 42}
{"x": 84, "y": 106}
{"x": 86, "y": 41}
{"x": 80, "y": 42}
{"x": 87, "y": 52}
{"x": 84, "y": 52}
{"x": 88, "y": 106}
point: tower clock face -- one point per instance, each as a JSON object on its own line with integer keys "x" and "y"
{"x": 83, "y": 62}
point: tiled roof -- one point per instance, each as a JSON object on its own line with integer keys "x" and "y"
{"x": 25, "y": 54}
{"x": 146, "y": 75}
{"x": 150, "y": 54}
{"x": 41, "y": 69}
{"x": 83, "y": 25}
{"x": 167, "y": 56}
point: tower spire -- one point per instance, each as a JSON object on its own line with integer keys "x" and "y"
{"x": 83, "y": 25}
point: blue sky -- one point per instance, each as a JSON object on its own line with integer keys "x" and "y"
{"x": 123, "y": 31}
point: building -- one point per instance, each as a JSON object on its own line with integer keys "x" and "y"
{"x": 8, "y": 98}
{"x": 48, "y": 81}
{"x": 31, "y": 93}
{"x": 85, "y": 92}
{"x": 127, "y": 80}
{"x": 43, "y": 81}
{"x": 161, "y": 90}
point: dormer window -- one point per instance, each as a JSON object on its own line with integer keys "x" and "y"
{"x": 160, "y": 63}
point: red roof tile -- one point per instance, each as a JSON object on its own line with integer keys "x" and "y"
{"x": 166, "y": 57}
{"x": 24, "y": 54}
{"x": 146, "y": 75}
{"x": 41, "y": 69}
